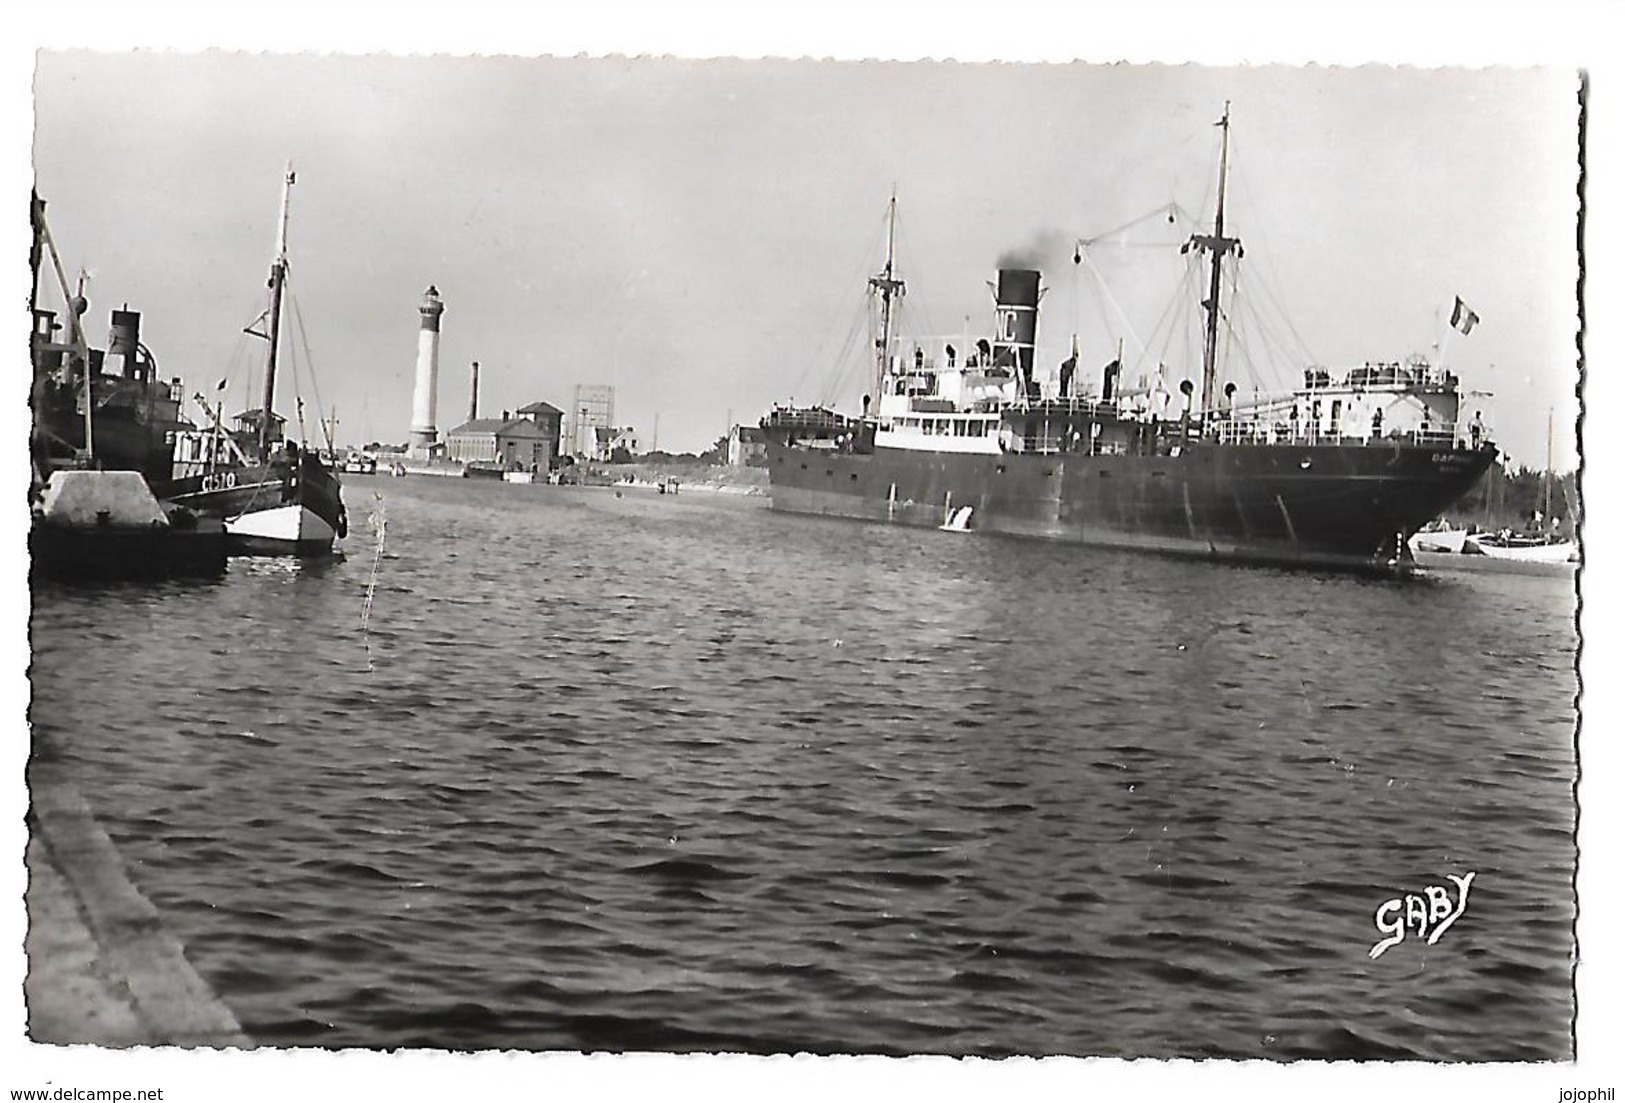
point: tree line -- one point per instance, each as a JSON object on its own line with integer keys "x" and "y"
{"x": 1506, "y": 498}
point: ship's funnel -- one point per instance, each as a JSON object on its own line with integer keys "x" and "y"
{"x": 124, "y": 342}
{"x": 1016, "y": 296}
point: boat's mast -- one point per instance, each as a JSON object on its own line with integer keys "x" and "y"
{"x": 279, "y": 273}
{"x": 1547, "y": 513}
{"x": 214, "y": 432}
{"x": 1217, "y": 246}
{"x": 889, "y": 287}
{"x": 36, "y": 216}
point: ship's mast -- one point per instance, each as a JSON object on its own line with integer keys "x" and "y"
{"x": 279, "y": 274}
{"x": 1216, "y": 246}
{"x": 890, "y": 287}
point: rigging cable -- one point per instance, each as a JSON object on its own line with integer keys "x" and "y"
{"x": 1268, "y": 271}
{"x": 861, "y": 270}
{"x": 310, "y": 367}
{"x": 1106, "y": 293}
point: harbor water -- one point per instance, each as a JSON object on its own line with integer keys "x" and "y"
{"x": 625, "y": 771}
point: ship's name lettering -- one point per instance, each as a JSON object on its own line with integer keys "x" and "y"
{"x": 220, "y": 480}
{"x": 1430, "y": 914}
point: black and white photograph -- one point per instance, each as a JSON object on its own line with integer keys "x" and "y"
{"x": 538, "y": 552}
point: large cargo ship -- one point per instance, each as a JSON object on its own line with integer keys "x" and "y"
{"x": 1336, "y": 473}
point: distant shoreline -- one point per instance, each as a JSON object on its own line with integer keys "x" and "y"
{"x": 716, "y": 478}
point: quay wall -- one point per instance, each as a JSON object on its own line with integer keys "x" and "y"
{"x": 102, "y": 969}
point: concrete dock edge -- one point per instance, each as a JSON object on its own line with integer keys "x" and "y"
{"x": 123, "y": 979}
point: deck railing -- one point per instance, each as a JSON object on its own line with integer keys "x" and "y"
{"x": 1250, "y": 431}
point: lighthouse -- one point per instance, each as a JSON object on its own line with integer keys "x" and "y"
{"x": 424, "y": 433}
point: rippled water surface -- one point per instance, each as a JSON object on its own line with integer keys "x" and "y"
{"x": 644, "y": 772}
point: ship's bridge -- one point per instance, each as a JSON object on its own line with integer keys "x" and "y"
{"x": 934, "y": 370}
{"x": 944, "y": 394}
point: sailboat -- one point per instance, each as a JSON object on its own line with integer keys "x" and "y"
{"x": 1533, "y": 546}
{"x": 276, "y": 496}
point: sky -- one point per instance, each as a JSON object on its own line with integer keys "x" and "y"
{"x": 698, "y": 233}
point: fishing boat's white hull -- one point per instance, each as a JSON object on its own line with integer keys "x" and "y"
{"x": 1441, "y": 540}
{"x": 282, "y": 530}
{"x": 1561, "y": 552}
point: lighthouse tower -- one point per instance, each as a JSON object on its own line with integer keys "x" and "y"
{"x": 424, "y": 433}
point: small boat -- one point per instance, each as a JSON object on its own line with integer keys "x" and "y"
{"x": 359, "y": 463}
{"x": 958, "y": 520}
{"x": 1523, "y": 547}
{"x": 1534, "y": 545}
{"x": 1439, "y": 536}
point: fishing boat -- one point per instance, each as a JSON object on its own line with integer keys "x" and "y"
{"x": 360, "y": 463}
{"x": 97, "y": 447}
{"x": 95, "y": 407}
{"x": 1337, "y": 473}
{"x": 276, "y": 496}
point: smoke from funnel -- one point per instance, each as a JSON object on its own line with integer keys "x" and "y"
{"x": 1045, "y": 249}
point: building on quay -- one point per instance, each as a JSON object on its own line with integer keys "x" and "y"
{"x": 592, "y": 408}
{"x": 747, "y": 446}
{"x": 527, "y": 442}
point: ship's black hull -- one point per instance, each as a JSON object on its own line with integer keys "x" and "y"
{"x": 1342, "y": 507}
{"x": 290, "y": 505}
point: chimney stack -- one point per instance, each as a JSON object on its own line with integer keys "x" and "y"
{"x": 474, "y": 393}
{"x": 1017, "y": 306}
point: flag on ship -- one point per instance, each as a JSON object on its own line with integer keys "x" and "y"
{"x": 1463, "y": 317}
